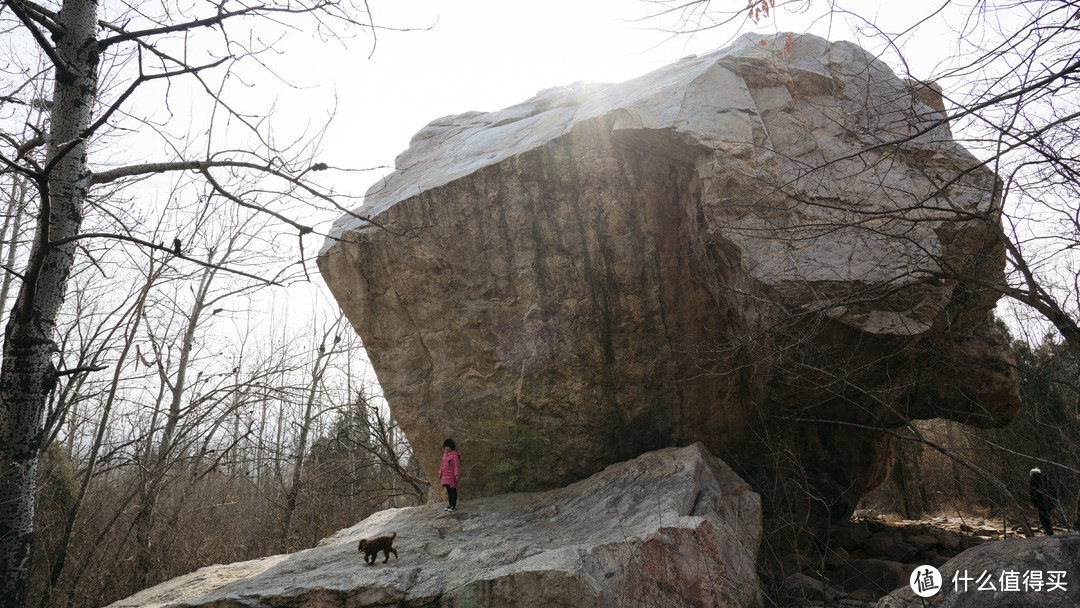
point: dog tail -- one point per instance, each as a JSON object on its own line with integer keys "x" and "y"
{"x": 393, "y": 536}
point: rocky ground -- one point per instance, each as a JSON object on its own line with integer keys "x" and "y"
{"x": 674, "y": 528}
{"x": 871, "y": 555}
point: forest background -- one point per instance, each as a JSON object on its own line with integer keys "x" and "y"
{"x": 205, "y": 402}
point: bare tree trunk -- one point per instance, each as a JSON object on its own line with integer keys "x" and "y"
{"x": 60, "y": 558}
{"x": 322, "y": 361}
{"x": 28, "y": 374}
{"x": 909, "y": 478}
{"x": 179, "y": 385}
{"x": 158, "y": 465}
{"x": 12, "y": 221}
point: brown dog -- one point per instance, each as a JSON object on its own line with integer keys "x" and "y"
{"x": 371, "y": 548}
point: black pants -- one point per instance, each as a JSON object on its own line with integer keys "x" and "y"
{"x": 1044, "y": 519}
{"x": 451, "y": 495}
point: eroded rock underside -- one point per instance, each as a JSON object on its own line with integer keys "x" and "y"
{"x": 776, "y": 250}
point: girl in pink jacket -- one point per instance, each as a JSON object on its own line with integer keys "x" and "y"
{"x": 450, "y": 471}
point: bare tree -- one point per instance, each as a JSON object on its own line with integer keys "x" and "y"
{"x": 176, "y": 419}
{"x": 311, "y": 408}
{"x": 96, "y": 68}
{"x": 131, "y": 329}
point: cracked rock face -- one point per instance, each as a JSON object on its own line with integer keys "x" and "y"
{"x": 676, "y": 527}
{"x": 773, "y": 249}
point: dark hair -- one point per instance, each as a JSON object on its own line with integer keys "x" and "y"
{"x": 449, "y": 443}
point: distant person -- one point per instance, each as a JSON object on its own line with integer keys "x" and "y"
{"x": 1044, "y": 497}
{"x": 449, "y": 472}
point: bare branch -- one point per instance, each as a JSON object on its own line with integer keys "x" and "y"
{"x": 142, "y": 79}
{"x": 31, "y": 24}
{"x": 81, "y": 370}
{"x": 175, "y": 28}
{"x": 232, "y": 197}
{"x": 163, "y": 248}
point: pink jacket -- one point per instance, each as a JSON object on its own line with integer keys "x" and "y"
{"x": 449, "y": 471}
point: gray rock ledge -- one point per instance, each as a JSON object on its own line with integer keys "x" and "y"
{"x": 676, "y": 526}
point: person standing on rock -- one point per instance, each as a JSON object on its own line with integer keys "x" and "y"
{"x": 1044, "y": 497}
{"x": 449, "y": 472}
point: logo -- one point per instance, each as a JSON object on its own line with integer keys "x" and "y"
{"x": 925, "y": 581}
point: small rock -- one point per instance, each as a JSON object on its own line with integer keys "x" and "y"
{"x": 877, "y": 546}
{"x": 849, "y": 536}
{"x": 948, "y": 540}
{"x": 901, "y": 552}
{"x": 923, "y": 542}
{"x": 868, "y": 514}
{"x": 802, "y": 587}
{"x": 835, "y": 557}
{"x": 926, "y": 557}
{"x": 863, "y": 595}
{"x": 879, "y": 575}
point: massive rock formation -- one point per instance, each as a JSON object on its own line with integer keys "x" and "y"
{"x": 672, "y": 528}
{"x": 776, "y": 249}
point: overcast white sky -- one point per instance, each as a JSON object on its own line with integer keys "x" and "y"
{"x": 485, "y": 55}
{"x": 489, "y": 54}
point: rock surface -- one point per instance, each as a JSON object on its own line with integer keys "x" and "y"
{"x": 854, "y": 571}
{"x": 738, "y": 249}
{"x": 1003, "y": 570}
{"x": 674, "y": 527}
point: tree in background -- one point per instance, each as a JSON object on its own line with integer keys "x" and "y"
{"x": 1044, "y": 434}
{"x": 226, "y": 486}
{"x": 70, "y": 89}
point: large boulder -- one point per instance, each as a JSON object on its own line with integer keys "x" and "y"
{"x": 776, "y": 249}
{"x": 672, "y": 528}
{"x": 1030, "y": 572}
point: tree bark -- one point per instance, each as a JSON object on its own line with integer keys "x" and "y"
{"x": 28, "y": 374}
